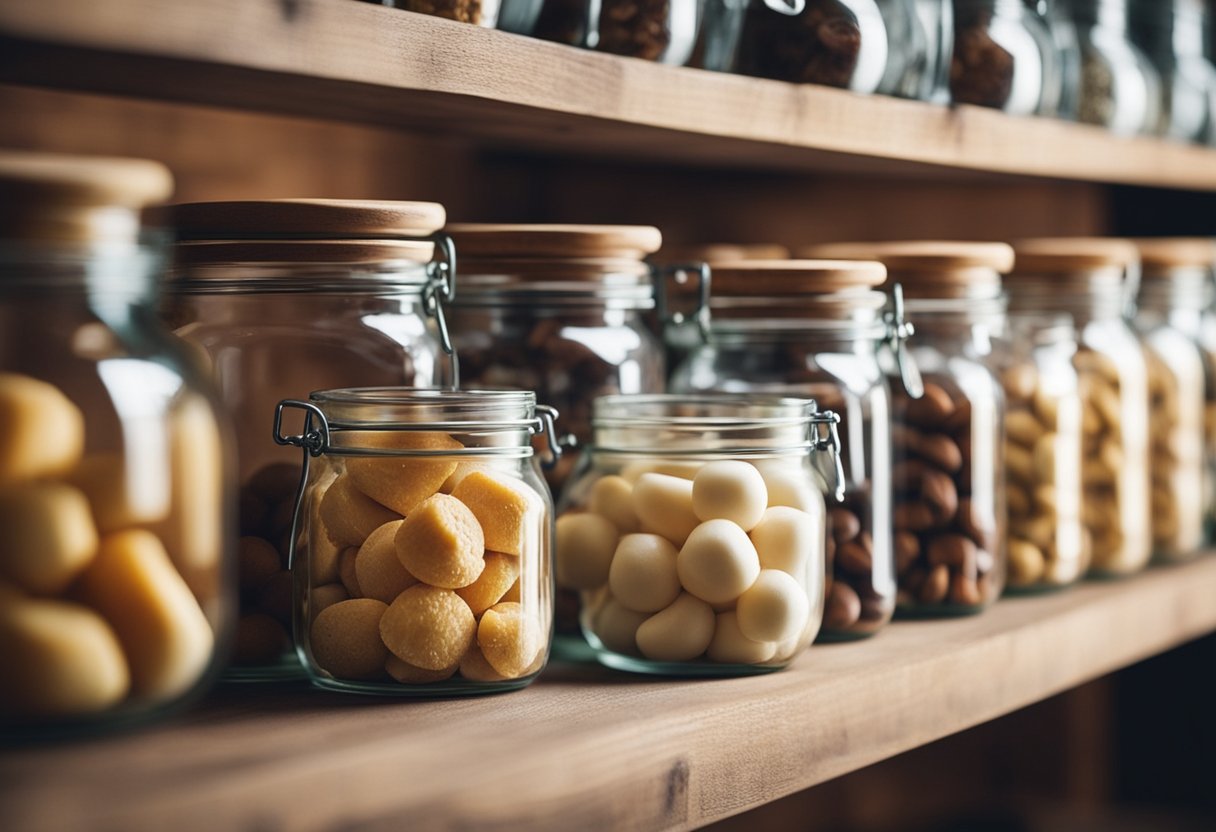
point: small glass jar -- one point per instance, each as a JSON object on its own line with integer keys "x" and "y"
{"x": 288, "y": 296}
{"x": 422, "y": 563}
{"x": 1001, "y": 56}
{"x": 818, "y": 329}
{"x": 116, "y": 566}
{"x": 1086, "y": 279}
{"x": 1120, "y": 89}
{"x": 947, "y": 445}
{"x": 1175, "y": 290}
{"x": 1171, "y": 34}
{"x": 838, "y": 43}
{"x": 664, "y": 31}
{"x": 478, "y": 12}
{"x": 695, "y": 532}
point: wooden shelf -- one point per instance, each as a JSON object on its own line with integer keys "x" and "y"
{"x": 588, "y": 748}
{"x": 338, "y": 59}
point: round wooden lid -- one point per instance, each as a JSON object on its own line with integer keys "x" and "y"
{"x": 915, "y": 256}
{"x": 684, "y": 254}
{"x": 1176, "y": 252}
{"x": 504, "y": 242}
{"x": 311, "y": 252}
{"x": 793, "y": 277}
{"x": 1069, "y": 254}
{"x": 332, "y": 219}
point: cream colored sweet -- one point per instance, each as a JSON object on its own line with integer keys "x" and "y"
{"x": 664, "y": 505}
{"x": 729, "y": 645}
{"x": 506, "y": 508}
{"x": 193, "y": 531}
{"x": 41, "y": 430}
{"x": 730, "y": 490}
{"x": 616, "y": 626}
{"x": 441, "y": 543}
{"x": 49, "y": 536}
{"x": 612, "y": 498}
{"x": 679, "y": 633}
{"x": 787, "y": 484}
{"x": 784, "y": 539}
{"x": 585, "y": 546}
{"x": 345, "y": 639}
{"x": 508, "y": 639}
{"x": 475, "y": 668}
{"x": 428, "y": 627}
{"x": 501, "y": 572}
{"x": 643, "y": 575}
{"x": 401, "y": 483}
{"x": 775, "y": 608}
{"x": 324, "y": 596}
{"x": 718, "y": 562}
{"x": 685, "y": 470}
{"x": 348, "y": 515}
{"x": 347, "y": 573}
{"x": 378, "y": 571}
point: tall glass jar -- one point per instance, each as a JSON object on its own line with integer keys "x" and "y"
{"x": 1002, "y": 56}
{"x": 817, "y": 329}
{"x": 948, "y": 445}
{"x": 1171, "y": 34}
{"x": 937, "y": 22}
{"x": 283, "y": 297}
{"x": 694, "y": 532}
{"x": 1120, "y": 89}
{"x": 1086, "y": 279}
{"x": 116, "y": 597}
{"x": 441, "y": 581}
{"x": 1175, "y": 293}
{"x": 1063, "y": 84}
{"x": 664, "y": 31}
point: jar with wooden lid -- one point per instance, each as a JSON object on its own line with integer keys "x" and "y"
{"x": 1088, "y": 280}
{"x": 423, "y": 559}
{"x": 1173, "y": 316}
{"x": 948, "y": 445}
{"x": 694, "y": 531}
{"x": 282, "y": 297}
{"x": 116, "y": 565}
{"x": 819, "y": 328}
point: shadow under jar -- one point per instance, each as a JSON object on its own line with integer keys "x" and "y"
{"x": 948, "y": 445}
{"x": 817, "y": 329}
{"x": 116, "y": 596}
{"x": 422, "y": 567}
{"x": 1003, "y": 56}
{"x": 1086, "y": 279}
{"x": 284, "y": 297}
{"x": 695, "y": 531}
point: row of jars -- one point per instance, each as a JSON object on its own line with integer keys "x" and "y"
{"x": 1132, "y": 66}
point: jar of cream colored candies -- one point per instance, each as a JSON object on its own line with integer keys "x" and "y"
{"x": 695, "y": 531}
{"x": 421, "y": 556}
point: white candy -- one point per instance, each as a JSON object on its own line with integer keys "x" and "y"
{"x": 684, "y": 470}
{"x": 643, "y": 573}
{"x": 679, "y": 633}
{"x": 789, "y": 484}
{"x": 585, "y": 543}
{"x": 730, "y": 490}
{"x": 775, "y": 608}
{"x": 718, "y": 562}
{"x": 731, "y": 646}
{"x": 612, "y": 497}
{"x": 784, "y": 538}
{"x": 617, "y": 627}
{"x": 664, "y": 505}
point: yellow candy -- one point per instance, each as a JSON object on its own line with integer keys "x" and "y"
{"x": 345, "y": 639}
{"x": 193, "y": 533}
{"x": 326, "y": 596}
{"x": 507, "y": 509}
{"x": 122, "y": 500}
{"x": 41, "y": 430}
{"x": 501, "y": 573}
{"x": 585, "y": 545}
{"x": 428, "y": 627}
{"x": 347, "y": 572}
{"x": 401, "y": 482}
{"x": 441, "y": 543}
{"x": 378, "y": 571}
{"x": 475, "y": 668}
{"x": 508, "y": 639}
{"x": 48, "y": 536}
{"x": 348, "y": 516}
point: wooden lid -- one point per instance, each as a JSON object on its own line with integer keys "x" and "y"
{"x": 301, "y": 252}
{"x": 1176, "y": 252}
{"x": 719, "y": 253}
{"x": 933, "y": 268}
{"x": 1068, "y": 254}
{"x": 332, "y": 219}
{"x": 743, "y": 278}
{"x": 503, "y": 242}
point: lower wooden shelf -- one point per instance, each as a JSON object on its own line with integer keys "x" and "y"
{"x": 589, "y": 748}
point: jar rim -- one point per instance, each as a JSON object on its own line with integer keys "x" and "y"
{"x": 468, "y": 399}
{"x": 733, "y": 410}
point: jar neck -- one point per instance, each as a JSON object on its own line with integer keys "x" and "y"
{"x": 1178, "y": 289}
{"x": 260, "y": 278}
{"x": 541, "y": 284}
{"x": 1099, "y": 295}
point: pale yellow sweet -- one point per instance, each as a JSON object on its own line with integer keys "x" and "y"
{"x": 616, "y": 626}
{"x": 41, "y": 430}
{"x": 407, "y": 674}
{"x": 48, "y": 535}
{"x": 324, "y": 596}
{"x": 463, "y": 469}
{"x": 775, "y": 608}
{"x": 680, "y": 633}
{"x": 508, "y": 510}
{"x": 789, "y": 484}
{"x": 475, "y": 668}
{"x": 193, "y": 533}
{"x": 60, "y": 659}
{"x": 718, "y": 562}
{"x": 428, "y": 627}
{"x": 402, "y": 482}
{"x": 612, "y": 498}
{"x": 348, "y": 515}
{"x": 585, "y": 543}
{"x": 508, "y": 638}
{"x": 378, "y": 571}
{"x": 501, "y": 573}
{"x": 323, "y": 551}
{"x": 729, "y": 645}
{"x": 164, "y": 634}
{"x": 685, "y": 470}
{"x": 441, "y": 543}
{"x": 347, "y": 574}
{"x": 730, "y": 490}
{"x": 643, "y": 574}
{"x": 784, "y": 539}
{"x": 259, "y": 639}
{"x": 121, "y": 499}
{"x": 664, "y": 505}
{"x": 345, "y": 639}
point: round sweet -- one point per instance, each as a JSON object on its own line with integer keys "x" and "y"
{"x": 324, "y": 596}
{"x": 643, "y": 574}
{"x": 730, "y": 490}
{"x": 345, "y": 639}
{"x": 732, "y": 647}
{"x": 257, "y": 562}
{"x": 508, "y": 639}
{"x": 475, "y": 668}
{"x": 428, "y": 627}
{"x": 348, "y": 515}
{"x": 718, "y": 562}
{"x": 401, "y": 482}
{"x": 41, "y": 430}
{"x": 612, "y": 497}
{"x": 259, "y": 639}
{"x": 407, "y": 674}
{"x": 347, "y": 573}
{"x": 775, "y": 608}
{"x": 664, "y": 505}
{"x": 499, "y": 575}
{"x": 784, "y": 539}
{"x": 49, "y": 536}
{"x": 685, "y": 470}
{"x": 585, "y": 543}
{"x": 789, "y": 484}
{"x": 679, "y": 633}
{"x": 441, "y": 543}
{"x": 617, "y": 627}
{"x": 322, "y": 550}
{"x": 378, "y": 570}
{"x": 507, "y": 509}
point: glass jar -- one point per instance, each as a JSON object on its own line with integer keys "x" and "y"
{"x": 116, "y": 596}
{"x": 947, "y": 445}
{"x": 664, "y": 31}
{"x": 695, "y": 532}
{"x": 1086, "y": 279}
{"x": 1171, "y": 33}
{"x": 1120, "y": 90}
{"x": 440, "y": 581}
{"x": 563, "y": 21}
{"x": 817, "y": 329}
{"x": 937, "y": 22}
{"x": 284, "y": 297}
{"x": 838, "y": 43}
{"x": 478, "y": 12}
{"x": 1175, "y": 291}
{"x": 1001, "y": 56}
{"x": 908, "y": 58}
{"x": 1062, "y": 95}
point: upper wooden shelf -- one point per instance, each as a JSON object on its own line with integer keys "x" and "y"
{"x": 338, "y": 59}
{"x": 586, "y": 748}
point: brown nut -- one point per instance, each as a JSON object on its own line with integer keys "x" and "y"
{"x": 855, "y": 557}
{"x": 932, "y": 409}
{"x": 940, "y": 451}
{"x": 913, "y": 517}
{"x": 907, "y": 549}
{"x": 965, "y": 591}
{"x": 844, "y": 524}
{"x": 843, "y": 607}
{"x": 936, "y": 585}
{"x": 955, "y": 551}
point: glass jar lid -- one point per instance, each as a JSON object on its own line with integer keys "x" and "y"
{"x": 829, "y": 290}
{"x": 714, "y": 253}
{"x": 1088, "y": 275}
{"x": 933, "y": 269}
{"x": 1069, "y": 255}
{"x": 1160, "y": 256}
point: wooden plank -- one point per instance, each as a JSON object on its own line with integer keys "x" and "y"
{"x": 588, "y": 748}
{"x": 352, "y": 61}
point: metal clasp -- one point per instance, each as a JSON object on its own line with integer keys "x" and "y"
{"x": 826, "y": 438}
{"x": 314, "y": 441}
{"x": 440, "y": 289}
{"x": 681, "y": 275}
{"x": 546, "y": 424}
{"x": 899, "y": 330}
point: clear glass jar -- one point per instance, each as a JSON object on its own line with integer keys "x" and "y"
{"x": 1171, "y": 34}
{"x": 937, "y": 22}
{"x": 1085, "y": 279}
{"x": 1120, "y": 89}
{"x": 1175, "y": 290}
{"x": 116, "y": 591}
{"x": 908, "y": 58}
{"x": 478, "y": 12}
{"x": 817, "y": 329}
{"x": 838, "y": 43}
{"x": 664, "y": 31}
{"x": 422, "y": 563}
{"x": 721, "y": 26}
{"x": 695, "y": 532}
{"x": 1062, "y": 82}
{"x": 1002, "y": 56}
{"x": 280, "y": 298}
